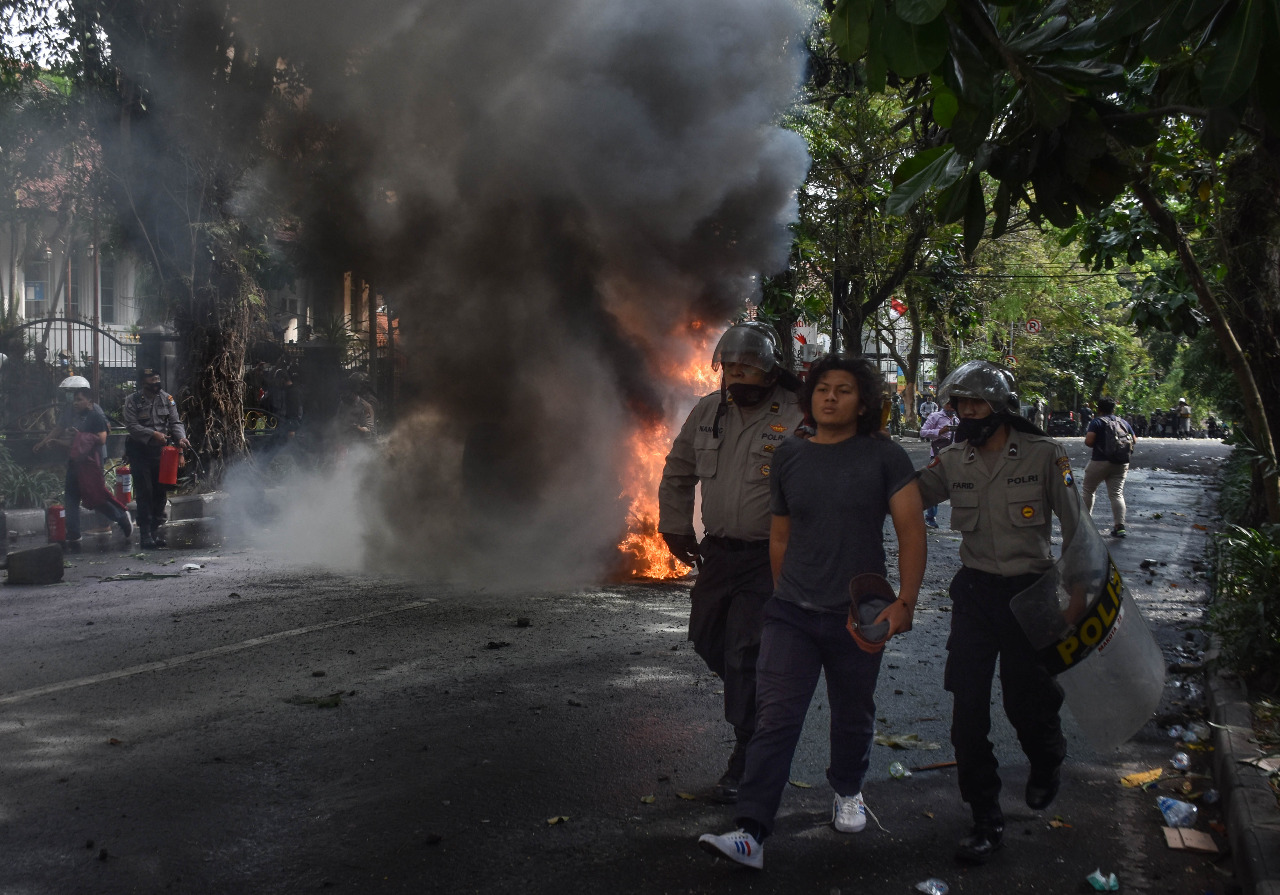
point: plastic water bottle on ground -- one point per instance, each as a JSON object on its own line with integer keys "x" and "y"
{"x": 1177, "y": 813}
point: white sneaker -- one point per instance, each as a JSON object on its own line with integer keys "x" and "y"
{"x": 739, "y": 846}
{"x": 849, "y": 814}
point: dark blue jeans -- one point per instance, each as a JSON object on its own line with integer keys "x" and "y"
{"x": 797, "y": 644}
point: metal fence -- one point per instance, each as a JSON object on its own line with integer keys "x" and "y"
{"x": 40, "y": 354}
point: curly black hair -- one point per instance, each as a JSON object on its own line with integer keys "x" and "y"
{"x": 870, "y": 387}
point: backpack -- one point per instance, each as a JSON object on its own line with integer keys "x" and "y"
{"x": 1115, "y": 442}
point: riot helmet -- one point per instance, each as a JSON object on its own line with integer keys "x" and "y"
{"x": 72, "y": 383}
{"x": 753, "y": 343}
{"x": 985, "y": 381}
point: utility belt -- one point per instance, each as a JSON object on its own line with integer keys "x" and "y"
{"x": 733, "y": 545}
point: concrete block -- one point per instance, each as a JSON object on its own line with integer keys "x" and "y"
{"x": 37, "y": 565}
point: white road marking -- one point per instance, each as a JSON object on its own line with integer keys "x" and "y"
{"x": 202, "y": 654}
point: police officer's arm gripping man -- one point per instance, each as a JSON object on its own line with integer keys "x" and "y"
{"x": 679, "y": 479}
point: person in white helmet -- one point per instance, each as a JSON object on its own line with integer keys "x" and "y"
{"x": 83, "y": 428}
{"x": 1184, "y": 418}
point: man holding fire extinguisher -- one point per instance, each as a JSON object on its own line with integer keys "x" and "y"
{"x": 151, "y": 416}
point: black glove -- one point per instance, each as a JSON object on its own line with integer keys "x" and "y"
{"x": 682, "y": 547}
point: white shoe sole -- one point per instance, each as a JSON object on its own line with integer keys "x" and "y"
{"x": 710, "y": 843}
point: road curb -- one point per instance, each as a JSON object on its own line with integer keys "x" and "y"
{"x": 183, "y": 508}
{"x": 1249, "y": 808}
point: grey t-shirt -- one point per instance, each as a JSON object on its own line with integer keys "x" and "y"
{"x": 837, "y": 496}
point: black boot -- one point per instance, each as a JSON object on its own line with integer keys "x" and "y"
{"x": 1042, "y": 788}
{"x": 984, "y": 840}
{"x": 726, "y": 789}
{"x": 157, "y": 539}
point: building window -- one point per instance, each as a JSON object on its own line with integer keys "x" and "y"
{"x": 107, "y": 291}
{"x": 35, "y": 273}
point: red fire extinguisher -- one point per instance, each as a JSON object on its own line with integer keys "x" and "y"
{"x": 124, "y": 484}
{"x": 169, "y": 464}
{"x": 55, "y": 523}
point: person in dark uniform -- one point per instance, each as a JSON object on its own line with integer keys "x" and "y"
{"x": 1004, "y": 478}
{"x": 151, "y": 416}
{"x": 726, "y": 445}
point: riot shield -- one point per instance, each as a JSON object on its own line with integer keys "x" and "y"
{"x": 1086, "y": 626}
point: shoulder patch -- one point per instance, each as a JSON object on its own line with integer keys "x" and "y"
{"x": 936, "y": 461}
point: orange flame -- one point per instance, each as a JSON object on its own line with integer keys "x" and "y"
{"x": 644, "y": 553}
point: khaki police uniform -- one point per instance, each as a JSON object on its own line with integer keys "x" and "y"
{"x": 1001, "y": 503}
{"x": 734, "y": 580}
{"x": 143, "y": 415}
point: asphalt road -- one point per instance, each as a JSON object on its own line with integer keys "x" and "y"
{"x": 251, "y": 728}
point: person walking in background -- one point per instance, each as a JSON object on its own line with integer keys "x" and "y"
{"x": 151, "y": 416}
{"x": 727, "y": 445}
{"x": 1183, "y": 418}
{"x": 830, "y": 496}
{"x": 940, "y": 431}
{"x": 1112, "y": 440}
{"x": 1003, "y": 477}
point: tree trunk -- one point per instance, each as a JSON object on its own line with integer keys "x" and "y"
{"x": 1236, "y": 358}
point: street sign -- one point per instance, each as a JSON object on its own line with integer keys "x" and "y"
{"x": 1010, "y": 360}
{"x": 1034, "y": 326}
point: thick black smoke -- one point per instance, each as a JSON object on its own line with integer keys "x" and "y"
{"x": 548, "y": 194}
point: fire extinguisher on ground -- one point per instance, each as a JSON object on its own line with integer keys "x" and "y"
{"x": 55, "y": 523}
{"x": 124, "y": 484}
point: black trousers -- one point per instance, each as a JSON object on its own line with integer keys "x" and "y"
{"x": 982, "y": 630}
{"x": 148, "y": 493}
{"x": 727, "y": 619}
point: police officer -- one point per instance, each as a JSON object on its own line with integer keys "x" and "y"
{"x": 151, "y": 416}
{"x": 727, "y": 445}
{"x": 1003, "y": 477}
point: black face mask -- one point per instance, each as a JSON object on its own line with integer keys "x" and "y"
{"x": 748, "y": 395}
{"x": 975, "y": 431}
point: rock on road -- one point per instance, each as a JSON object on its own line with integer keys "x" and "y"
{"x": 251, "y": 728}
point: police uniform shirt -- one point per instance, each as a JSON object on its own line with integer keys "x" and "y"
{"x": 733, "y": 469}
{"x": 144, "y": 414}
{"x": 1001, "y": 503}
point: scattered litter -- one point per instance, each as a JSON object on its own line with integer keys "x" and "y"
{"x": 1210, "y": 796}
{"x": 1059, "y": 824}
{"x": 1189, "y": 840}
{"x": 1270, "y": 763}
{"x": 1176, "y": 812}
{"x": 141, "y": 576}
{"x": 904, "y": 741}
{"x": 688, "y": 797}
{"x": 192, "y": 567}
{"x": 934, "y": 766}
{"x": 1180, "y": 761}
{"x": 1142, "y": 778}
{"x": 648, "y": 800}
{"x": 1198, "y": 527}
{"x": 1200, "y": 729}
{"x": 558, "y": 819}
{"x": 1177, "y": 732}
{"x": 800, "y": 784}
{"x": 898, "y": 771}
{"x": 933, "y": 886}
{"x": 1103, "y": 883}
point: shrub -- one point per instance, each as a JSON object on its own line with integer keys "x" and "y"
{"x": 1245, "y": 613}
{"x": 27, "y": 488}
